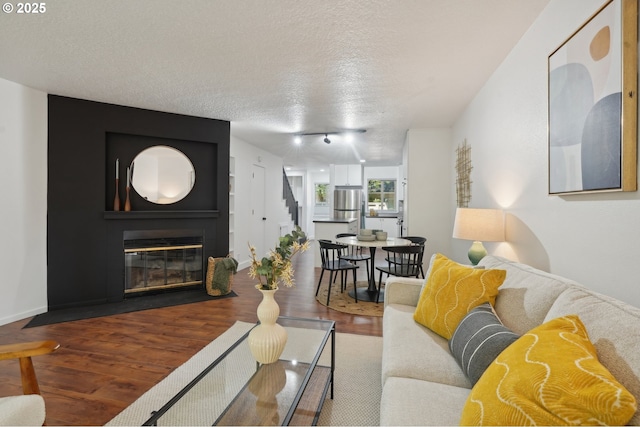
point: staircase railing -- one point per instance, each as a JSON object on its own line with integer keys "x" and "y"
{"x": 290, "y": 199}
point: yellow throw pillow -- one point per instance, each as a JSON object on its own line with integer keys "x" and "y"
{"x": 549, "y": 376}
{"x": 452, "y": 290}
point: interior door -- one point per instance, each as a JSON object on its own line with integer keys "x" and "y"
{"x": 258, "y": 211}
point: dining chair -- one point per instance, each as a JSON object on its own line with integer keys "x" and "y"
{"x": 403, "y": 261}
{"x": 417, "y": 240}
{"x": 355, "y": 254}
{"x": 330, "y": 254}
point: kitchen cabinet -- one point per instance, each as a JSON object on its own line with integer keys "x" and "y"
{"x": 347, "y": 175}
{"x": 388, "y": 224}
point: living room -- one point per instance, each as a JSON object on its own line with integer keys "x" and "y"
{"x": 505, "y": 125}
{"x": 588, "y": 237}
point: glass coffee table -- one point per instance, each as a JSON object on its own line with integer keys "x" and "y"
{"x": 236, "y": 390}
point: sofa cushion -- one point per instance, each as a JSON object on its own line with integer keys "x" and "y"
{"x": 526, "y": 295}
{"x": 432, "y": 260}
{"x": 451, "y": 291}
{"x": 550, "y": 376}
{"x": 479, "y": 338}
{"x": 413, "y": 351}
{"x": 614, "y": 329}
{"x": 407, "y": 402}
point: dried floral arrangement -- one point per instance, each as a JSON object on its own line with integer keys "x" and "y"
{"x": 277, "y": 268}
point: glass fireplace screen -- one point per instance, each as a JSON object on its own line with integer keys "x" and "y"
{"x": 155, "y": 264}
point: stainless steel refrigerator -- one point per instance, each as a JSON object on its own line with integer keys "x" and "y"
{"x": 347, "y": 202}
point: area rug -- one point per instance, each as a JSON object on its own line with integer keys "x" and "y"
{"x": 147, "y": 302}
{"x": 341, "y": 301}
{"x": 357, "y": 388}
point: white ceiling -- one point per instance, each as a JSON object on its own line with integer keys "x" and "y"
{"x": 274, "y": 67}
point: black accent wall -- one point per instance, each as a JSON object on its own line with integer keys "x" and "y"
{"x": 85, "y": 236}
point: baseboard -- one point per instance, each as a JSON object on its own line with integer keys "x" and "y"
{"x": 23, "y": 315}
{"x": 244, "y": 264}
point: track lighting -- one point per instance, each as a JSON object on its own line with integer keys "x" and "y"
{"x": 348, "y": 132}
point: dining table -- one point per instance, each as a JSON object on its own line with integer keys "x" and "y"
{"x": 370, "y": 293}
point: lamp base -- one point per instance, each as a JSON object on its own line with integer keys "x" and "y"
{"x": 476, "y": 252}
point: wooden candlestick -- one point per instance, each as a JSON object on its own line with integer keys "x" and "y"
{"x": 127, "y": 203}
{"x": 116, "y": 200}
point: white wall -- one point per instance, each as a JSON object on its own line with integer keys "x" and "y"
{"x": 592, "y": 239}
{"x": 247, "y": 155}
{"x": 428, "y": 191}
{"x": 23, "y": 184}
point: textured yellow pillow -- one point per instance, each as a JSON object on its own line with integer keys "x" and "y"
{"x": 452, "y": 290}
{"x": 549, "y": 376}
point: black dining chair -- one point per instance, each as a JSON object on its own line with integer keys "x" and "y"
{"x": 355, "y": 254}
{"x": 415, "y": 240}
{"x": 402, "y": 261}
{"x": 331, "y": 253}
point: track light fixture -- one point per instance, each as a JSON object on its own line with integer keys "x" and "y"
{"x": 326, "y": 134}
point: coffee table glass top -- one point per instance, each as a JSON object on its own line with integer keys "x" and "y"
{"x": 235, "y": 390}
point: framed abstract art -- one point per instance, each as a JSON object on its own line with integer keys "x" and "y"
{"x": 593, "y": 104}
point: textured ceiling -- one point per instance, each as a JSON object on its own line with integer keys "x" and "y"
{"x": 274, "y": 67}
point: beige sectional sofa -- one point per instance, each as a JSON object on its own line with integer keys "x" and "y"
{"x": 423, "y": 383}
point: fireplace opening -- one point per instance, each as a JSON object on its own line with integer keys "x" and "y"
{"x": 162, "y": 259}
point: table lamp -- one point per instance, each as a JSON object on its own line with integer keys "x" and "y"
{"x": 478, "y": 225}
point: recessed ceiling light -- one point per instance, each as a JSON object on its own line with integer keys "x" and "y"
{"x": 298, "y": 140}
{"x": 362, "y": 160}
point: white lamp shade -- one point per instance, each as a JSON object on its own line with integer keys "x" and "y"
{"x": 485, "y": 225}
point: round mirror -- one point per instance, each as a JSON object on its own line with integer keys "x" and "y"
{"x": 162, "y": 175}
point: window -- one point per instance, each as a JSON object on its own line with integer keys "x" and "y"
{"x": 321, "y": 194}
{"x": 381, "y": 194}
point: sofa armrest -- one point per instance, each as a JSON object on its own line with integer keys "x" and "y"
{"x": 402, "y": 290}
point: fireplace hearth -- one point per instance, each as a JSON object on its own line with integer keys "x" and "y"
{"x": 162, "y": 259}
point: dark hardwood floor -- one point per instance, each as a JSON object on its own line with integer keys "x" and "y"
{"x": 104, "y": 364}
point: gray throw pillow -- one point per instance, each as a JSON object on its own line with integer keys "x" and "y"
{"x": 479, "y": 338}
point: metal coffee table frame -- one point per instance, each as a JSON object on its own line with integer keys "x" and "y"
{"x": 328, "y": 386}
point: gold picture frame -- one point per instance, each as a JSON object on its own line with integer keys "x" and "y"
{"x": 592, "y": 104}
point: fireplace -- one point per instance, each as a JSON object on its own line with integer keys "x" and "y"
{"x": 156, "y": 260}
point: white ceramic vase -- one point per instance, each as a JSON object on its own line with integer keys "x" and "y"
{"x": 267, "y": 340}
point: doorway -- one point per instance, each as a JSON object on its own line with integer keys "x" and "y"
{"x": 258, "y": 211}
